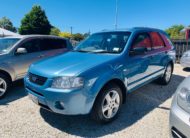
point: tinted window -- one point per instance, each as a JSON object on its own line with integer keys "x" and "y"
{"x": 50, "y": 44}
{"x": 157, "y": 40}
{"x": 31, "y": 45}
{"x": 142, "y": 40}
{"x": 167, "y": 41}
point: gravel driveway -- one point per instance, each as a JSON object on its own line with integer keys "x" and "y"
{"x": 145, "y": 115}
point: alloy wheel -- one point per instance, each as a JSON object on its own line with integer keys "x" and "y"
{"x": 3, "y": 87}
{"x": 168, "y": 73}
{"x": 111, "y": 104}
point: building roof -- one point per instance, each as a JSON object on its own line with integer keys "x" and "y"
{"x": 5, "y": 33}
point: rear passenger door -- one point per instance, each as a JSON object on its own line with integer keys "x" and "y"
{"x": 159, "y": 53}
{"x": 52, "y": 46}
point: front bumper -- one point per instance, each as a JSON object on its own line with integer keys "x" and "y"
{"x": 185, "y": 62}
{"x": 68, "y": 102}
{"x": 179, "y": 121}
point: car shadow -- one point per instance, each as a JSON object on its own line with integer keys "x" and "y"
{"x": 186, "y": 69}
{"x": 138, "y": 104}
{"x": 16, "y": 92}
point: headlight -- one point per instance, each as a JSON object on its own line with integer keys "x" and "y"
{"x": 183, "y": 99}
{"x": 67, "y": 82}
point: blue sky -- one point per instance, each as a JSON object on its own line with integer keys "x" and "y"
{"x": 97, "y": 15}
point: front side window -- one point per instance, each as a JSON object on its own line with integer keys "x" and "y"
{"x": 156, "y": 40}
{"x": 109, "y": 42}
{"x": 7, "y": 43}
{"x": 142, "y": 41}
{"x": 31, "y": 46}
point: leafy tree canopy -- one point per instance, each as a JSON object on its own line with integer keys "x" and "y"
{"x": 7, "y": 24}
{"x": 78, "y": 37}
{"x": 35, "y": 22}
{"x": 175, "y": 31}
{"x": 55, "y": 31}
{"x": 65, "y": 35}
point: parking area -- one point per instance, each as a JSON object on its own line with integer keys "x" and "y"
{"x": 145, "y": 114}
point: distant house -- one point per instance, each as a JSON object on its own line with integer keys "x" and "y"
{"x": 5, "y": 33}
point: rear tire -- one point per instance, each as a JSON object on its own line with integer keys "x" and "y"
{"x": 5, "y": 83}
{"x": 107, "y": 104}
{"x": 166, "y": 78}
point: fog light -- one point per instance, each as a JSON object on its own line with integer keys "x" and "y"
{"x": 59, "y": 105}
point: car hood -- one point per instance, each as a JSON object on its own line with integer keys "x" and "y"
{"x": 69, "y": 64}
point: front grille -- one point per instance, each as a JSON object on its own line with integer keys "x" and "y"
{"x": 39, "y": 80}
{"x": 177, "y": 134}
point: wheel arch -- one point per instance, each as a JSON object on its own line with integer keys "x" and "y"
{"x": 6, "y": 73}
{"x": 118, "y": 82}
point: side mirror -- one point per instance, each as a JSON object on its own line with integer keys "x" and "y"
{"x": 21, "y": 51}
{"x": 138, "y": 51}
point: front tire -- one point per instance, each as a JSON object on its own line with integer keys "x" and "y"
{"x": 4, "y": 85}
{"x": 107, "y": 104}
{"x": 165, "y": 79}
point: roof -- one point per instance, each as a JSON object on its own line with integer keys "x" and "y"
{"x": 36, "y": 36}
{"x": 4, "y": 33}
{"x": 134, "y": 29}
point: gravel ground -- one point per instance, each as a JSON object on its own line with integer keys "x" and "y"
{"x": 145, "y": 115}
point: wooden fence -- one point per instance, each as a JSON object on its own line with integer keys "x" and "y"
{"x": 181, "y": 46}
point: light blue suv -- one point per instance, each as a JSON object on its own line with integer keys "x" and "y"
{"x": 96, "y": 76}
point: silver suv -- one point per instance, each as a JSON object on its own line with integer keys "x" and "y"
{"x": 17, "y": 53}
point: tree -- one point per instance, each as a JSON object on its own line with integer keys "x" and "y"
{"x": 65, "y": 35}
{"x": 78, "y": 37}
{"x": 35, "y": 22}
{"x": 7, "y": 24}
{"x": 55, "y": 31}
{"x": 175, "y": 31}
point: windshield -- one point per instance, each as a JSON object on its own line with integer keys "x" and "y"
{"x": 109, "y": 42}
{"x": 7, "y": 43}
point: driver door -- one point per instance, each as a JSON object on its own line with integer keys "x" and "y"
{"x": 21, "y": 62}
{"x": 139, "y": 61}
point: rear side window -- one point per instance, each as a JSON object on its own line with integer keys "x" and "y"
{"x": 59, "y": 43}
{"x": 157, "y": 40}
{"x": 52, "y": 44}
{"x": 167, "y": 40}
{"x": 142, "y": 40}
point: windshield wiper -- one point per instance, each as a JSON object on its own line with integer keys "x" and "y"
{"x": 104, "y": 51}
{"x": 96, "y": 52}
{"x": 82, "y": 51}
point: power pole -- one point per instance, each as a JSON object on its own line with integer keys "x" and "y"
{"x": 116, "y": 15}
{"x": 71, "y": 30}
